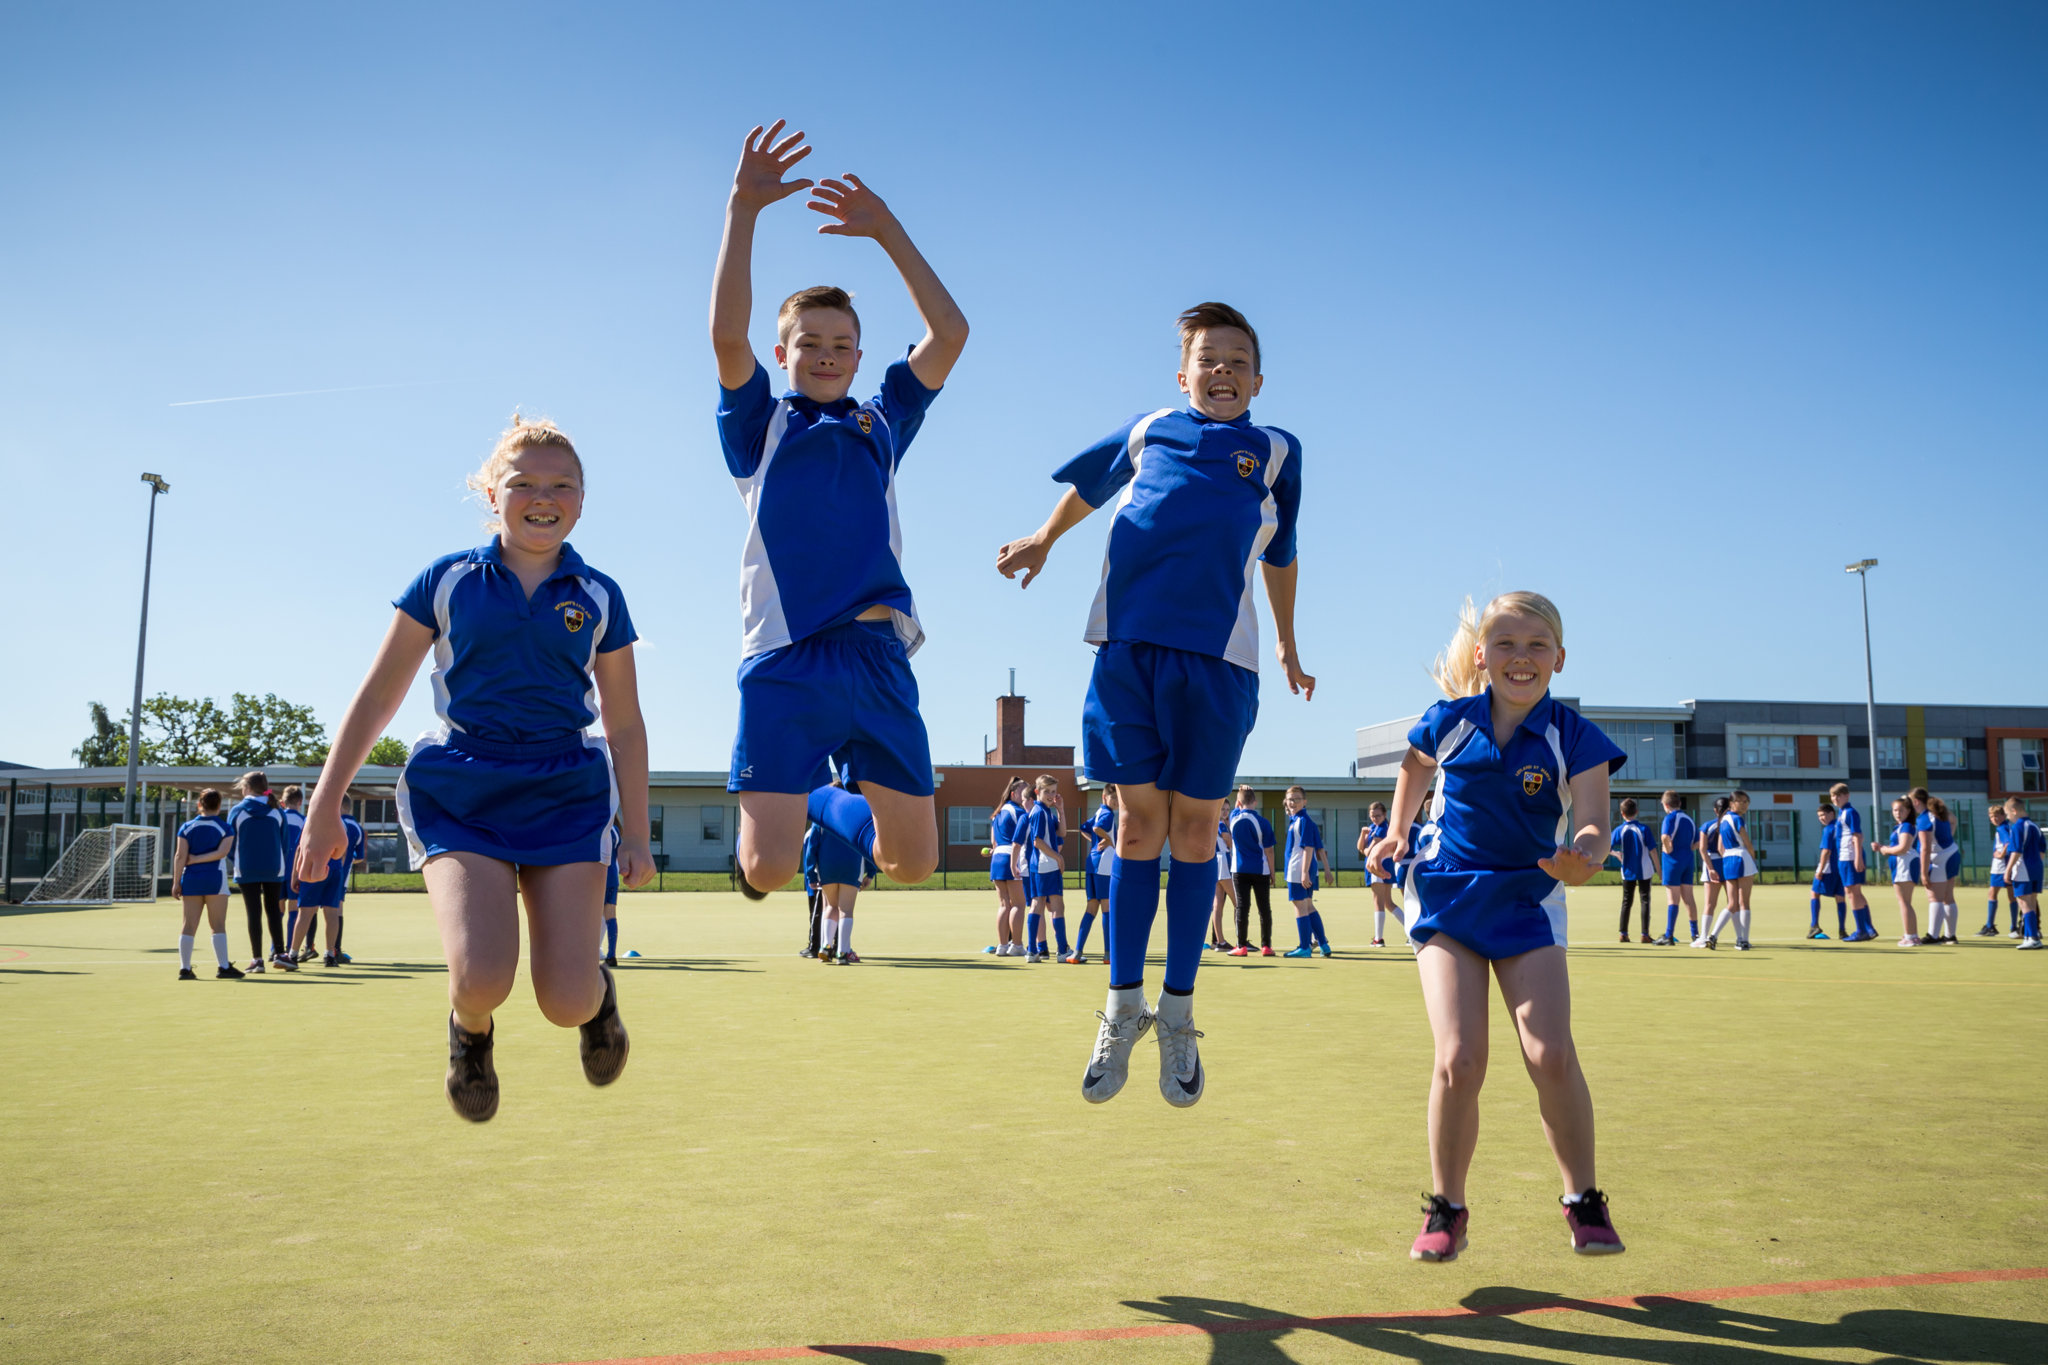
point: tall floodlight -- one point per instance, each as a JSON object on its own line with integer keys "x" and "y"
{"x": 131, "y": 804}
{"x": 1861, "y": 568}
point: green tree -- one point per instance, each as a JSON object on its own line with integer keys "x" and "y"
{"x": 258, "y": 731}
{"x": 107, "y": 745}
{"x": 390, "y": 750}
{"x": 193, "y": 732}
{"x": 179, "y": 732}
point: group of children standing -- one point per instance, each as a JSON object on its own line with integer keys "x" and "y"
{"x": 255, "y": 846}
{"x": 512, "y": 800}
{"x": 1026, "y": 853}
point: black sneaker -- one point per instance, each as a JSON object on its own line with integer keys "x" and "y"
{"x": 284, "y": 962}
{"x": 187, "y": 974}
{"x": 602, "y": 1040}
{"x": 610, "y": 961}
{"x": 330, "y": 961}
{"x": 747, "y": 888}
{"x": 306, "y": 954}
{"x": 472, "y": 1080}
{"x": 229, "y": 973}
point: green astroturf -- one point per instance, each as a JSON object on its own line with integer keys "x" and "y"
{"x": 267, "y": 1170}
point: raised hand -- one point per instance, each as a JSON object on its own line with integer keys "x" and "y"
{"x": 763, "y": 162}
{"x": 1298, "y": 682}
{"x": 860, "y": 211}
{"x": 1026, "y": 555}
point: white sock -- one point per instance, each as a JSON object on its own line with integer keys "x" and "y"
{"x": 845, "y": 932}
{"x": 185, "y": 951}
{"x": 1720, "y": 923}
{"x": 1175, "y": 1009}
{"x": 1742, "y": 925}
{"x": 220, "y": 950}
{"x": 1379, "y": 924}
{"x": 1124, "y": 1003}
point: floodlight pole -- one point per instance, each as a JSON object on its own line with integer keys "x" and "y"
{"x": 1861, "y": 568}
{"x": 130, "y": 804}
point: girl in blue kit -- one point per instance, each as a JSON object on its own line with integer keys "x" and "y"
{"x": 1379, "y": 878}
{"x": 511, "y": 799}
{"x": 1738, "y": 869}
{"x": 198, "y": 870}
{"x": 1049, "y": 878}
{"x": 1904, "y": 852}
{"x": 1941, "y": 863}
{"x": 1100, "y": 830}
{"x": 1006, "y": 862}
{"x": 1520, "y": 812}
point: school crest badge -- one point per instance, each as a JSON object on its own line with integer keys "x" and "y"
{"x": 1533, "y": 779}
{"x": 1246, "y": 463}
{"x": 573, "y": 616}
{"x": 866, "y": 420}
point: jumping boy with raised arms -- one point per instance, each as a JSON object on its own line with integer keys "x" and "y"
{"x": 828, "y": 620}
{"x": 1175, "y": 688}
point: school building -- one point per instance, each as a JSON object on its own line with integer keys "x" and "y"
{"x": 1786, "y": 754}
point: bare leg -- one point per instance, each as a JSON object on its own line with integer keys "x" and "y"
{"x": 1538, "y": 991}
{"x": 330, "y": 919}
{"x": 476, "y": 905}
{"x": 906, "y": 833}
{"x": 564, "y": 912}
{"x": 217, "y": 914}
{"x": 771, "y": 837}
{"x": 193, "y": 906}
{"x": 1906, "y": 915}
{"x": 1454, "y": 992}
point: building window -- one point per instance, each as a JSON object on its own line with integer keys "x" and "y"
{"x": 967, "y": 825}
{"x": 1946, "y": 753}
{"x": 713, "y": 823}
{"x": 2021, "y": 768}
{"x": 1824, "y": 751}
{"x": 1655, "y": 751}
{"x": 654, "y": 825}
{"x": 1891, "y": 751}
{"x": 1768, "y": 751}
{"x": 1771, "y": 830}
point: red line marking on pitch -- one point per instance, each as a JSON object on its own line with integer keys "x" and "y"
{"x": 1233, "y": 1328}
{"x": 20, "y": 954}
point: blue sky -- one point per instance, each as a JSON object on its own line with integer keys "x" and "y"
{"x": 1666, "y": 311}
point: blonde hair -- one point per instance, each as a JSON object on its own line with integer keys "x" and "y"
{"x": 521, "y": 435}
{"x": 1456, "y": 670}
{"x": 817, "y": 296}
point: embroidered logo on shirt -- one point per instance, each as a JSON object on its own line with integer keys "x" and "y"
{"x": 1533, "y": 778}
{"x": 1246, "y": 463}
{"x": 573, "y": 616}
{"x": 866, "y": 420}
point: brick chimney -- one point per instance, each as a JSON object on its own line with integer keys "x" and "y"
{"x": 1009, "y": 730}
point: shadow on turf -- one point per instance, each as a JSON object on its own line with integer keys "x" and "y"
{"x": 1665, "y": 1330}
{"x": 881, "y": 1355}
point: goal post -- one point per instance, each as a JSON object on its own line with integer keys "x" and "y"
{"x": 102, "y": 866}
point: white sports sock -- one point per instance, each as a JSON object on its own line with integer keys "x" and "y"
{"x": 1720, "y": 922}
{"x": 220, "y": 950}
{"x": 1742, "y": 925}
{"x": 1176, "y": 1009}
{"x": 1122, "y": 1003}
{"x": 1379, "y": 924}
{"x": 185, "y": 951}
{"x": 845, "y": 932}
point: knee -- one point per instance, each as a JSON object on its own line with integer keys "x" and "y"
{"x": 764, "y": 872}
{"x": 1549, "y": 1063}
{"x": 477, "y": 992}
{"x": 567, "y": 1004}
{"x": 1460, "y": 1066}
{"x": 912, "y": 869}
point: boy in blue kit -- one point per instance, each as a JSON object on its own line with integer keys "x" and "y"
{"x": 259, "y": 868}
{"x": 1631, "y": 845}
{"x": 1675, "y": 838}
{"x": 2024, "y": 850}
{"x": 1826, "y": 880}
{"x": 1999, "y": 834}
{"x": 1203, "y": 499}
{"x": 294, "y": 826}
{"x": 1049, "y": 889}
{"x": 1849, "y": 864}
{"x": 326, "y": 894}
{"x": 1251, "y": 871}
{"x": 1307, "y": 859}
{"x": 828, "y": 620}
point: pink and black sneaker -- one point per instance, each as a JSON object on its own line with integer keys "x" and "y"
{"x": 1593, "y": 1231}
{"x": 1443, "y": 1232}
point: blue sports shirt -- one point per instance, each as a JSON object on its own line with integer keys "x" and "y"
{"x": 2025, "y": 839}
{"x": 259, "y": 840}
{"x": 1732, "y": 826}
{"x": 1944, "y": 833}
{"x": 1633, "y": 843}
{"x": 508, "y": 668}
{"x": 1202, "y": 503}
{"x": 356, "y": 843}
{"x": 819, "y": 481}
{"x": 1003, "y": 828}
{"x": 1503, "y": 808}
{"x": 294, "y": 826}
{"x": 1827, "y": 858}
{"x": 1104, "y": 822}
{"x": 1678, "y": 826}
{"x": 1848, "y": 835}
{"x": 1304, "y": 837}
{"x": 1251, "y": 835}
{"x": 1999, "y": 846}
{"x": 204, "y": 833}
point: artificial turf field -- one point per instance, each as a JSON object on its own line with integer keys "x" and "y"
{"x": 1808, "y": 1140}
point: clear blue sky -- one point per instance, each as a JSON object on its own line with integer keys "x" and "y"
{"x": 1667, "y": 311}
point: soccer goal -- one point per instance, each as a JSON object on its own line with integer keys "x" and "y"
{"x": 112, "y": 863}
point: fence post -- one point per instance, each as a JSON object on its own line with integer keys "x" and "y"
{"x": 7, "y": 851}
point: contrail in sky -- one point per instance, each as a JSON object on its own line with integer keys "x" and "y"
{"x": 303, "y": 393}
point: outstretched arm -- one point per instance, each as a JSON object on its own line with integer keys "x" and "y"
{"x": 625, "y": 733}
{"x": 1280, "y": 596}
{"x": 376, "y": 702}
{"x": 1029, "y": 554}
{"x": 861, "y": 213}
{"x": 755, "y": 185}
{"x": 1575, "y": 864}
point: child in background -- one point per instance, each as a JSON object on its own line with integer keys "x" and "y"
{"x": 1904, "y": 853}
{"x": 323, "y": 894}
{"x": 1631, "y": 843}
{"x": 259, "y": 867}
{"x": 1307, "y": 859}
{"x": 1826, "y": 880}
{"x": 1738, "y": 870}
{"x": 1226, "y": 884}
{"x": 2023, "y": 862}
{"x": 611, "y": 911}
{"x": 1100, "y": 831}
{"x": 294, "y": 798}
{"x": 1380, "y": 880}
{"x": 1710, "y": 861}
{"x": 1675, "y": 838}
{"x": 1998, "y": 882}
{"x": 1941, "y": 863}
{"x": 198, "y": 871}
{"x": 1049, "y": 877}
{"x": 1007, "y": 862}
{"x": 828, "y": 620}
{"x": 1251, "y": 871}
{"x": 814, "y": 898}
{"x": 842, "y": 871}
{"x": 1520, "y": 812}
{"x": 512, "y": 801}
{"x": 1849, "y": 865}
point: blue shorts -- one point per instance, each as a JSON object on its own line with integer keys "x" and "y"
{"x": 999, "y": 869}
{"x": 844, "y": 696}
{"x": 611, "y": 880}
{"x": 1828, "y": 884}
{"x": 1997, "y": 880}
{"x": 1168, "y": 717}
{"x": 1297, "y": 892}
{"x": 1947, "y": 865}
{"x": 1045, "y": 885}
{"x": 1496, "y": 913}
{"x": 1850, "y": 874}
{"x": 323, "y": 894}
{"x": 1097, "y": 883}
{"x": 535, "y": 805}
{"x": 202, "y": 879}
{"x": 1734, "y": 867}
{"x": 1677, "y": 871}
{"x": 2023, "y": 875}
{"x": 839, "y": 863}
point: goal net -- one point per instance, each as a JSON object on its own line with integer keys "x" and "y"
{"x": 113, "y": 863}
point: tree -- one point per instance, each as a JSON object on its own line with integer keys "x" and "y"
{"x": 390, "y": 750}
{"x": 178, "y": 732}
{"x": 259, "y": 731}
{"x": 189, "y": 732}
{"x": 107, "y": 745}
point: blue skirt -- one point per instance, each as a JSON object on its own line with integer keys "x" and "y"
{"x": 1496, "y": 912}
{"x": 203, "y": 879}
{"x": 533, "y": 805}
{"x": 999, "y": 866}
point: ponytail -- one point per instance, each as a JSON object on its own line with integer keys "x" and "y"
{"x": 1457, "y": 670}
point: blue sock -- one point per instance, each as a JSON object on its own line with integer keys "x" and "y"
{"x": 1841, "y": 919}
{"x": 1315, "y": 924}
{"x": 1671, "y": 920}
{"x": 1992, "y": 922}
{"x": 846, "y": 815}
{"x": 1692, "y": 926}
{"x": 1087, "y": 923}
{"x": 1059, "y": 931}
{"x": 611, "y": 937}
{"x": 1863, "y": 924}
{"x": 1031, "y": 919}
{"x": 1133, "y": 905}
{"x": 1813, "y": 911}
{"x": 1190, "y": 890}
{"x": 291, "y": 923}
{"x": 1301, "y": 928}
{"x": 2031, "y": 923}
